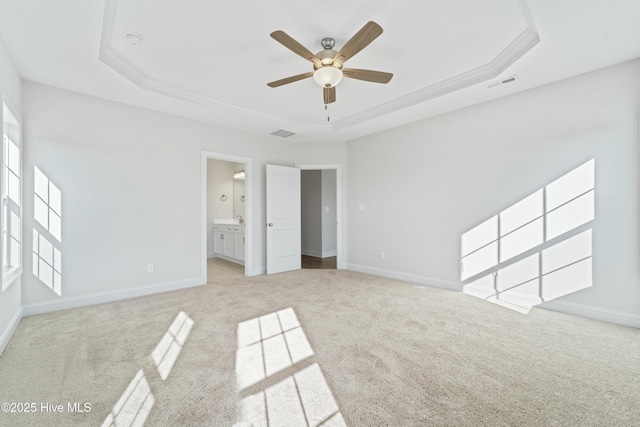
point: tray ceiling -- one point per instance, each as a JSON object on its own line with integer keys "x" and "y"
{"x": 211, "y": 60}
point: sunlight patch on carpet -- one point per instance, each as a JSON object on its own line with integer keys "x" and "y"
{"x": 133, "y": 407}
{"x": 135, "y": 404}
{"x": 270, "y": 344}
{"x": 167, "y": 351}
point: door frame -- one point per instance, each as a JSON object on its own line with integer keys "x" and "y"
{"x": 340, "y": 252}
{"x": 248, "y": 210}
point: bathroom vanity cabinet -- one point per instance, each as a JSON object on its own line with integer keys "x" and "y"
{"x": 229, "y": 241}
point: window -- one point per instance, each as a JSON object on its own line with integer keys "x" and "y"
{"x": 11, "y": 193}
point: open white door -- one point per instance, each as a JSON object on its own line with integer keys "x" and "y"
{"x": 283, "y": 219}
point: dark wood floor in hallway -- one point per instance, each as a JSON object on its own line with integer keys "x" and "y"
{"x": 324, "y": 263}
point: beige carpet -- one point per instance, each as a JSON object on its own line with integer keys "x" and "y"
{"x": 220, "y": 269}
{"x": 323, "y": 347}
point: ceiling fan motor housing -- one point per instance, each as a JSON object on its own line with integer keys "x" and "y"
{"x": 328, "y": 43}
{"x": 326, "y": 57}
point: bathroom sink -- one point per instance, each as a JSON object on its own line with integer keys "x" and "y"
{"x": 229, "y": 221}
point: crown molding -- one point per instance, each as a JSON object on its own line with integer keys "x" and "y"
{"x": 131, "y": 72}
{"x": 514, "y": 51}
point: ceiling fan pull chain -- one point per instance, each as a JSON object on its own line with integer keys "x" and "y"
{"x": 326, "y": 108}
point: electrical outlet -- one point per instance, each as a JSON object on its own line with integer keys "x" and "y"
{"x": 382, "y": 256}
{"x": 149, "y": 268}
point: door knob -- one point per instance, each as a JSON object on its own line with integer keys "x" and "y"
{"x": 270, "y": 224}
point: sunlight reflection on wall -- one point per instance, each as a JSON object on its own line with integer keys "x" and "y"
{"x": 537, "y": 250}
{"x": 47, "y": 211}
{"x": 268, "y": 345}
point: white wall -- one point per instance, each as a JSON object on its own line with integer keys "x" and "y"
{"x": 130, "y": 181}
{"x": 311, "y": 212}
{"x": 11, "y": 299}
{"x": 423, "y": 185}
{"x": 329, "y": 218}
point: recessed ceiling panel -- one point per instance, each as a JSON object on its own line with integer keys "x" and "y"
{"x": 223, "y": 52}
{"x": 211, "y": 60}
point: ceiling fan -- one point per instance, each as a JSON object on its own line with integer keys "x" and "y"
{"x": 327, "y": 63}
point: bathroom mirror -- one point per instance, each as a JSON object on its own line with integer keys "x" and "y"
{"x": 225, "y": 195}
{"x": 238, "y": 198}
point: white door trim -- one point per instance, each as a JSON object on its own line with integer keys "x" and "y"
{"x": 248, "y": 213}
{"x": 340, "y": 256}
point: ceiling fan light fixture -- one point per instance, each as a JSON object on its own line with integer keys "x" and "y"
{"x": 327, "y": 76}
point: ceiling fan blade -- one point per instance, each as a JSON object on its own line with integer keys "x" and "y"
{"x": 359, "y": 41}
{"x": 287, "y": 41}
{"x": 367, "y": 75}
{"x": 291, "y": 79}
{"x": 329, "y": 94}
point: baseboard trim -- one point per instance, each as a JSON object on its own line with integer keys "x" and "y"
{"x": 407, "y": 277}
{"x": 528, "y": 300}
{"x": 10, "y": 329}
{"x": 226, "y": 258}
{"x": 596, "y": 313}
{"x": 318, "y": 254}
{"x": 315, "y": 254}
{"x": 259, "y": 271}
{"x": 590, "y": 312}
{"x": 110, "y": 296}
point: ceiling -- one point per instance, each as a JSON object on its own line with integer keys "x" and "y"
{"x": 211, "y": 60}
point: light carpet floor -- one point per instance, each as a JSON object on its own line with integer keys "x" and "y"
{"x": 320, "y": 347}
{"x": 219, "y": 269}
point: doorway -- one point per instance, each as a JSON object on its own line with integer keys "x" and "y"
{"x": 226, "y": 212}
{"x": 320, "y": 216}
